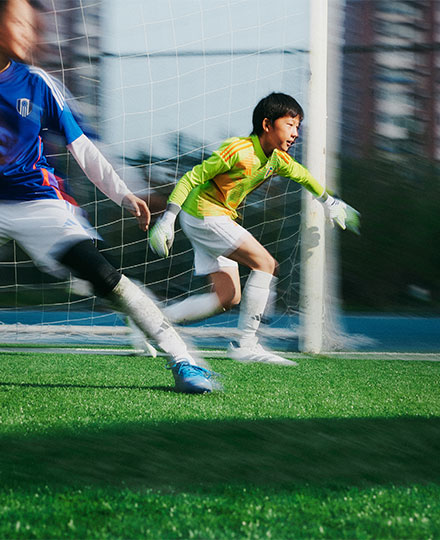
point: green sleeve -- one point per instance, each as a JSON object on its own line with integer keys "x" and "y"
{"x": 200, "y": 174}
{"x": 297, "y": 172}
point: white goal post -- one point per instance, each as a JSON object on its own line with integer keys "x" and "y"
{"x": 319, "y": 291}
{"x": 313, "y": 220}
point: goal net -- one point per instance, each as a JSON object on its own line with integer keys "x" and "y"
{"x": 160, "y": 85}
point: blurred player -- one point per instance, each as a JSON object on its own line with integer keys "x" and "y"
{"x": 206, "y": 199}
{"x": 33, "y": 211}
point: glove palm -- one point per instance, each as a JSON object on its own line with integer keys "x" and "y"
{"x": 162, "y": 236}
{"x": 344, "y": 215}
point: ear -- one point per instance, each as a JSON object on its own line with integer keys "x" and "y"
{"x": 267, "y": 124}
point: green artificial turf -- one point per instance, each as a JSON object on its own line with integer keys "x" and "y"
{"x": 96, "y": 446}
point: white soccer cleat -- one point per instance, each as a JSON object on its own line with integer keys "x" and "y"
{"x": 257, "y": 354}
{"x": 139, "y": 341}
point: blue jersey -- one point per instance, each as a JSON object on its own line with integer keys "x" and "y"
{"x": 30, "y": 101}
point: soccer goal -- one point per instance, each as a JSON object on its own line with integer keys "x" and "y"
{"x": 160, "y": 85}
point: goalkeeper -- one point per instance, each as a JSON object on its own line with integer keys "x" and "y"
{"x": 206, "y": 199}
{"x": 33, "y": 208}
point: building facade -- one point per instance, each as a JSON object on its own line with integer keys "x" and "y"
{"x": 391, "y": 79}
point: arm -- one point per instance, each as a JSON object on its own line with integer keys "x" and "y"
{"x": 336, "y": 210}
{"x": 99, "y": 171}
{"x": 289, "y": 168}
{"x": 200, "y": 174}
{"x": 162, "y": 234}
{"x": 58, "y": 116}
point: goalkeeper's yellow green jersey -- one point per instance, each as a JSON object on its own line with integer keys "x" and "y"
{"x": 219, "y": 184}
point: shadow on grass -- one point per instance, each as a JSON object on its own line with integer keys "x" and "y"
{"x": 277, "y": 453}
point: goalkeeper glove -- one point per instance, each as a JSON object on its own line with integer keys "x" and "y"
{"x": 341, "y": 213}
{"x": 162, "y": 234}
{"x": 353, "y": 219}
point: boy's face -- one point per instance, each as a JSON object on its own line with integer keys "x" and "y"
{"x": 17, "y": 30}
{"x": 280, "y": 134}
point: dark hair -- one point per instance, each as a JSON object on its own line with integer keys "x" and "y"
{"x": 273, "y": 106}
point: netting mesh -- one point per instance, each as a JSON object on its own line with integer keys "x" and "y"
{"x": 159, "y": 86}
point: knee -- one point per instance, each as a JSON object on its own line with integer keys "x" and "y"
{"x": 268, "y": 265}
{"x": 86, "y": 262}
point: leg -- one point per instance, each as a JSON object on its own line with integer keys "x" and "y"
{"x": 226, "y": 285}
{"x": 225, "y": 294}
{"x": 87, "y": 263}
{"x": 256, "y": 292}
{"x": 255, "y": 297}
{"x": 50, "y": 233}
{"x": 129, "y": 298}
{"x": 210, "y": 239}
{"x": 218, "y": 242}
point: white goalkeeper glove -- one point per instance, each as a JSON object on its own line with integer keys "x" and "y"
{"x": 341, "y": 213}
{"x": 161, "y": 235}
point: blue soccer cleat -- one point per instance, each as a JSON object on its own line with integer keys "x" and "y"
{"x": 189, "y": 378}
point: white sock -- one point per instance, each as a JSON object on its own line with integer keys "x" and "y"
{"x": 132, "y": 301}
{"x": 255, "y": 296}
{"x": 194, "y": 308}
{"x": 270, "y": 308}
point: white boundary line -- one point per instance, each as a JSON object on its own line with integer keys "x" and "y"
{"x": 66, "y": 331}
{"x": 377, "y": 355}
{"x": 356, "y": 355}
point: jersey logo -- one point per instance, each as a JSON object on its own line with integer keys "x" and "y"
{"x": 24, "y": 107}
{"x": 269, "y": 172}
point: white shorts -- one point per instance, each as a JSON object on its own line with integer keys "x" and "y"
{"x": 213, "y": 238}
{"x": 44, "y": 229}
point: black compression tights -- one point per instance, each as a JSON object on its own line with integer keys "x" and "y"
{"x": 86, "y": 262}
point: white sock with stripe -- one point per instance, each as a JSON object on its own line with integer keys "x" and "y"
{"x": 255, "y": 297}
{"x": 132, "y": 301}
